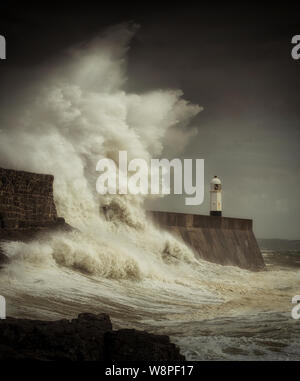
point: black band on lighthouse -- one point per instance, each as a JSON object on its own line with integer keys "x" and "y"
{"x": 215, "y": 213}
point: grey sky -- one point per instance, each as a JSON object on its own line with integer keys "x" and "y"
{"x": 234, "y": 61}
{"x": 243, "y": 75}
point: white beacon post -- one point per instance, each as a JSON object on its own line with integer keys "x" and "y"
{"x": 216, "y": 197}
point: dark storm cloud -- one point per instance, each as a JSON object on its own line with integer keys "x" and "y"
{"x": 235, "y": 61}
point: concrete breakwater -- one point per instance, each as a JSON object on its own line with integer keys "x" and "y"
{"x": 27, "y": 205}
{"x": 222, "y": 240}
{"x": 26, "y": 200}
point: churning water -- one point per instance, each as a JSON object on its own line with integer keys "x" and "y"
{"x": 142, "y": 276}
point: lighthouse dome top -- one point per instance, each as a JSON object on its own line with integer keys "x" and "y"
{"x": 215, "y": 180}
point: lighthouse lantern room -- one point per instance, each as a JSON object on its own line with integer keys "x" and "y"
{"x": 216, "y": 197}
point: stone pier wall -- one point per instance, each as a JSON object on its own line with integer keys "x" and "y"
{"x": 26, "y": 200}
{"x": 222, "y": 240}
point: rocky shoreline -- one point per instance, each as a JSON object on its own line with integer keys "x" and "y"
{"x": 89, "y": 337}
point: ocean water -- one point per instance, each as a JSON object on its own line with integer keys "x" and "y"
{"x": 77, "y": 112}
{"x": 216, "y": 313}
{"x": 265, "y": 335}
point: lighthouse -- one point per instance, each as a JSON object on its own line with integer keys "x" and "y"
{"x": 215, "y": 197}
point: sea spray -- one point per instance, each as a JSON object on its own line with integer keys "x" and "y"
{"x": 79, "y": 114}
{"x": 115, "y": 261}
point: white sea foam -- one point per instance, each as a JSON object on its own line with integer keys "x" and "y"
{"x": 125, "y": 266}
{"x": 78, "y": 114}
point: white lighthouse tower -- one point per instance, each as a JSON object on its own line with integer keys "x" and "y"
{"x": 216, "y": 197}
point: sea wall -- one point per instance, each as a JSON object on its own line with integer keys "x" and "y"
{"x": 27, "y": 205}
{"x": 222, "y": 240}
{"x": 26, "y": 200}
